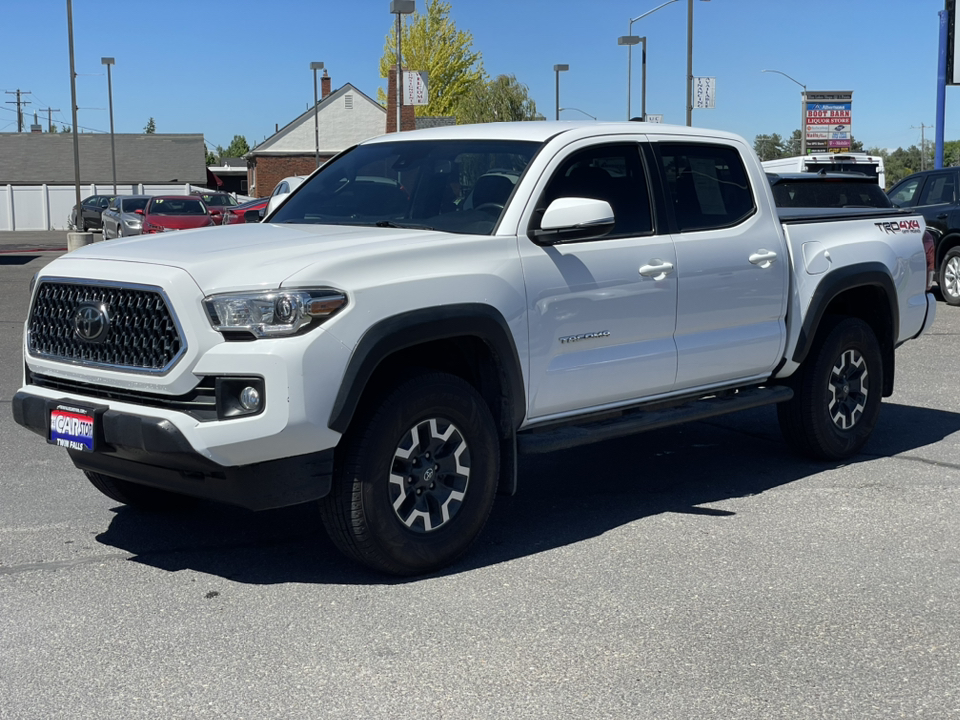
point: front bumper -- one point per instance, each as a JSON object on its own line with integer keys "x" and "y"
{"x": 152, "y": 451}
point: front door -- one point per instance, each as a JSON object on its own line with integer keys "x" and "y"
{"x": 601, "y": 313}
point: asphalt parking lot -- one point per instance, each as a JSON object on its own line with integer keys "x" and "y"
{"x": 693, "y": 572}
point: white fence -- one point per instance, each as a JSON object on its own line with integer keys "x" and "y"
{"x": 48, "y": 207}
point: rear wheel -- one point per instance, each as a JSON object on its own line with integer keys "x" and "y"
{"x": 417, "y": 478}
{"x": 143, "y": 497}
{"x": 949, "y": 279}
{"x": 837, "y": 392}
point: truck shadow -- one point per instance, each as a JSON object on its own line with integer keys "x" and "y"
{"x": 563, "y": 498}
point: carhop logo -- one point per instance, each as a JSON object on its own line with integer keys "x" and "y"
{"x": 903, "y": 226}
{"x": 585, "y": 336}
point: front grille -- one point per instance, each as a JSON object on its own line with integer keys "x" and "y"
{"x": 141, "y": 335}
{"x": 201, "y": 402}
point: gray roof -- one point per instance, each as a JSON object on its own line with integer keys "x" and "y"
{"x": 47, "y": 158}
{"x": 424, "y": 123}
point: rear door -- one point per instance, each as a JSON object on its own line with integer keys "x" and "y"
{"x": 937, "y": 202}
{"x": 732, "y": 264}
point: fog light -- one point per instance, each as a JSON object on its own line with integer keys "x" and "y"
{"x": 250, "y": 398}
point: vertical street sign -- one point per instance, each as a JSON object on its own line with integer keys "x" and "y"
{"x": 415, "y": 88}
{"x": 704, "y": 92}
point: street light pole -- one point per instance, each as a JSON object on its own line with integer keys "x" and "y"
{"x": 400, "y": 7}
{"x": 630, "y": 41}
{"x": 108, "y": 61}
{"x": 579, "y": 111}
{"x": 803, "y": 110}
{"x": 316, "y": 113}
{"x": 689, "y": 63}
{"x": 630, "y": 55}
{"x": 73, "y": 103}
{"x": 559, "y": 69}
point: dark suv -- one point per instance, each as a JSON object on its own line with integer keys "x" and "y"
{"x": 933, "y": 194}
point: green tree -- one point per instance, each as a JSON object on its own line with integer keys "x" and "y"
{"x": 432, "y": 44}
{"x": 793, "y": 146}
{"x": 238, "y": 147}
{"x": 768, "y": 147}
{"x": 211, "y": 158}
{"x": 151, "y": 127}
{"x": 502, "y": 99}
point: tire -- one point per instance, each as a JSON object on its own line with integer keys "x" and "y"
{"x": 949, "y": 278}
{"x": 417, "y": 477}
{"x": 837, "y": 392}
{"x": 143, "y": 497}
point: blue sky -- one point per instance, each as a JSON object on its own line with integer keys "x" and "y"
{"x": 240, "y": 67}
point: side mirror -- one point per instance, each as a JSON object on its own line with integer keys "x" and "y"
{"x": 250, "y": 216}
{"x": 275, "y": 202}
{"x": 139, "y": 211}
{"x": 573, "y": 219}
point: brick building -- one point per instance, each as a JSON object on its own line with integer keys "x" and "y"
{"x": 345, "y": 117}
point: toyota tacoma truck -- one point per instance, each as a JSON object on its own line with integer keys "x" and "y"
{"x": 428, "y": 305}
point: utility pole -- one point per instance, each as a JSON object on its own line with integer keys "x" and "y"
{"x": 923, "y": 145}
{"x": 19, "y": 104}
{"x": 49, "y": 112}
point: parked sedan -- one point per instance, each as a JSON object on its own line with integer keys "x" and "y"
{"x": 934, "y": 194}
{"x": 92, "y": 207}
{"x": 236, "y": 215}
{"x": 218, "y": 203}
{"x": 175, "y": 212}
{"x": 124, "y": 216}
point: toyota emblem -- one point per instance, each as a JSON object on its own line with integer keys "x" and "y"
{"x": 91, "y": 322}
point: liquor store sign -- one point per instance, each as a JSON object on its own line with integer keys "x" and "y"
{"x": 828, "y": 120}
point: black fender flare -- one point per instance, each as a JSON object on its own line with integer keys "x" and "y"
{"x": 868, "y": 274}
{"x": 415, "y": 327}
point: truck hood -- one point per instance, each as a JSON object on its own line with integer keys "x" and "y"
{"x": 236, "y": 257}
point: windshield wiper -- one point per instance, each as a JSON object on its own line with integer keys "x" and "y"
{"x": 406, "y": 226}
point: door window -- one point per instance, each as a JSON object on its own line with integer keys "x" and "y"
{"x": 707, "y": 185}
{"x": 938, "y": 189}
{"x": 609, "y": 172}
{"x": 905, "y": 194}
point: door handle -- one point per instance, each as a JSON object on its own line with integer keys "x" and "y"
{"x": 657, "y": 269}
{"x": 763, "y": 258}
{"x": 943, "y": 216}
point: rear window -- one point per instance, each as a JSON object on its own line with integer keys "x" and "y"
{"x": 177, "y": 206}
{"x": 829, "y": 194}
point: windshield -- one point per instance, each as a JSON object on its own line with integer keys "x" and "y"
{"x": 456, "y": 186}
{"x": 176, "y": 206}
{"x": 134, "y": 204}
{"x": 219, "y": 200}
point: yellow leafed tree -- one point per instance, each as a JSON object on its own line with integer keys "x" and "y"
{"x": 432, "y": 44}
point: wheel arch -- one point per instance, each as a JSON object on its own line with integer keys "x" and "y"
{"x": 945, "y": 244}
{"x": 865, "y": 291}
{"x": 407, "y": 337}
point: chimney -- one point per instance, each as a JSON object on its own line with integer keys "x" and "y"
{"x": 324, "y": 85}
{"x": 408, "y": 119}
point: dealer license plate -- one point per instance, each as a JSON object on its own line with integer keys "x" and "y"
{"x": 72, "y": 428}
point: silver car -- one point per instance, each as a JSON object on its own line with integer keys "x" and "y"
{"x": 124, "y": 216}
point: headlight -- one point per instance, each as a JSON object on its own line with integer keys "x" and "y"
{"x": 272, "y": 313}
{"x": 133, "y": 223}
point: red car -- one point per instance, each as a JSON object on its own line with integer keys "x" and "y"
{"x": 219, "y": 204}
{"x": 175, "y": 212}
{"x": 234, "y": 215}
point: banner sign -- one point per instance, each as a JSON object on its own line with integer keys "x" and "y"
{"x": 828, "y": 119}
{"x": 653, "y": 118}
{"x": 953, "y": 47}
{"x": 414, "y": 88}
{"x": 704, "y": 92}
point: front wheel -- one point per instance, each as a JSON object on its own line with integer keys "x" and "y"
{"x": 417, "y": 477}
{"x": 949, "y": 279}
{"x": 837, "y": 392}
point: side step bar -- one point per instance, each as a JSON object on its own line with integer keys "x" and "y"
{"x": 636, "y": 420}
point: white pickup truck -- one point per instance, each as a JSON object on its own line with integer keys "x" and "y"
{"x": 429, "y": 304}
